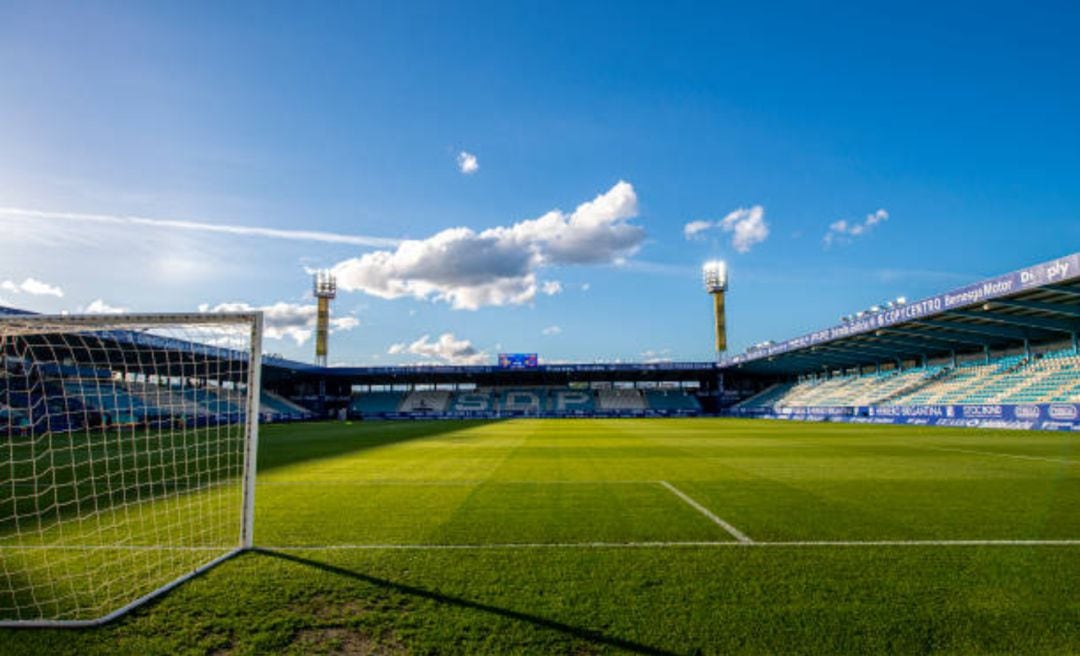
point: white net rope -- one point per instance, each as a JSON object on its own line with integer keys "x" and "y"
{"x": 121, "y": 461}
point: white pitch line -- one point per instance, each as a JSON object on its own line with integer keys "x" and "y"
{"x": 1003, "y": 455}
{"x": 101, "y": 547}
{"x": 570, "y": 545}
{"x": 662, "y": 545}
{"x": 734, "y": 532}
{"x": 450, "y": 483}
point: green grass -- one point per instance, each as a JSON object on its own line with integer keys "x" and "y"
{"x": 536, "y": 536}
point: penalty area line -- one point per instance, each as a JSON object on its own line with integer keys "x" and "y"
{"x": 1016, "y": 456}
{"x": 734, "y": 532}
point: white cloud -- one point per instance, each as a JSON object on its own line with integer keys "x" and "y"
{"x": 843, "y": 231}
{"x": 178, "y": 224}
{"x": 747, "y": 227}
{"x": 32, "y": 286}
{"x": 467, "y": 163}
{"x": 652, "y": 356}
{"x": 498, "y": 266}
{"x": 344, "y": 323}
{"x": 551, "y": 330}
{"x": 446, "y": 348}
{"x": 585, "y": 286}
{"x": 99, "y": 306}
{"x": 283, "y": 320}
{"x": 550, "y": 287}
{"x": 695, "y": 228}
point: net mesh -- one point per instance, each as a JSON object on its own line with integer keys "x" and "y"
{"x": 122, "y": 461}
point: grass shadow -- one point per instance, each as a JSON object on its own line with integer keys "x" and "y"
{"x": 282, "y": 445}
{"x": 580, "y": 633}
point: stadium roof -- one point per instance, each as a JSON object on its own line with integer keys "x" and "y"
{"x": 553, "y": 374}
{"x": 1038, "y": 304}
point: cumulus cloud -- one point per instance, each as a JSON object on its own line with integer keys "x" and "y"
{"x": 32, "y": 286}
{"x": 286, "y": 320}
{"x": 467, "y": 163}
{"x": 746, "y": 225}
{"x": 844, "y": 231}
{"x": 551, "y": 330}
{"x": 447, "y": 348}
{"x": 498, "y": 266}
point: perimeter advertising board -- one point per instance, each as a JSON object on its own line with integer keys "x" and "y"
{"x": 1032, "y": 416}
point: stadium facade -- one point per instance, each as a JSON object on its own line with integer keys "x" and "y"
{"x": 1001, "y": 352}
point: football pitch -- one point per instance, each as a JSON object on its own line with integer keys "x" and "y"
{"x": 648, "y": 536}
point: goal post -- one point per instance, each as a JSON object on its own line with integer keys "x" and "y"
{"x": 127, "y": 458}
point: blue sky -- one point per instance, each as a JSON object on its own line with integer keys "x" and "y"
{"x": 769, "y": 125}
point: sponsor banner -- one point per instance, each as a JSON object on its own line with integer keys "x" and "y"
{"x": 1040, "y": 416}
{"x": 989, "y": 411}
{"x": 795, "y": 412}
{"x": 1055, "y": 271}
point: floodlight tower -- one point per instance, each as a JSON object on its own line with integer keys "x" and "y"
{"x": 325, "y": 289}
{"x": 715, "y": 276}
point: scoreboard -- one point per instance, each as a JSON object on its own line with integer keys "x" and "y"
{"x": 518, "y": 361}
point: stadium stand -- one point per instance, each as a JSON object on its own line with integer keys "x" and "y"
{"x": 672, "y": 400}
{"x": 531, "y": 401}
{"x": 1052, "y": 377}
{"x": 276, "y": 408}
{"x": 428, "y": 402}
{"x": 621, "y": 399}
{"x": 374, "y": 404}
{"x": 524, "y": 401}
{"x": 112, "y": 400}
{"x": 63, "y": 398}
{"x": 572, "y": 402}
{"x": 165, "y": 396}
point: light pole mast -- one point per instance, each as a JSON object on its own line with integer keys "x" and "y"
{"x": 325, "y": 289}
{"x": 715, "y": 277}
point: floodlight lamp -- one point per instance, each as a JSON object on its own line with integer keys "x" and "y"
{"x": 901, "y": 300}
{"x": 714, "y": 274}
{"x": 325, "y": 284}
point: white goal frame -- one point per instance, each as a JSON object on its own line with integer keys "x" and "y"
{"x": 245, "y": 540}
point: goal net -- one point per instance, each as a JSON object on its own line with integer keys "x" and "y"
{"x": 127, "y": 466}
